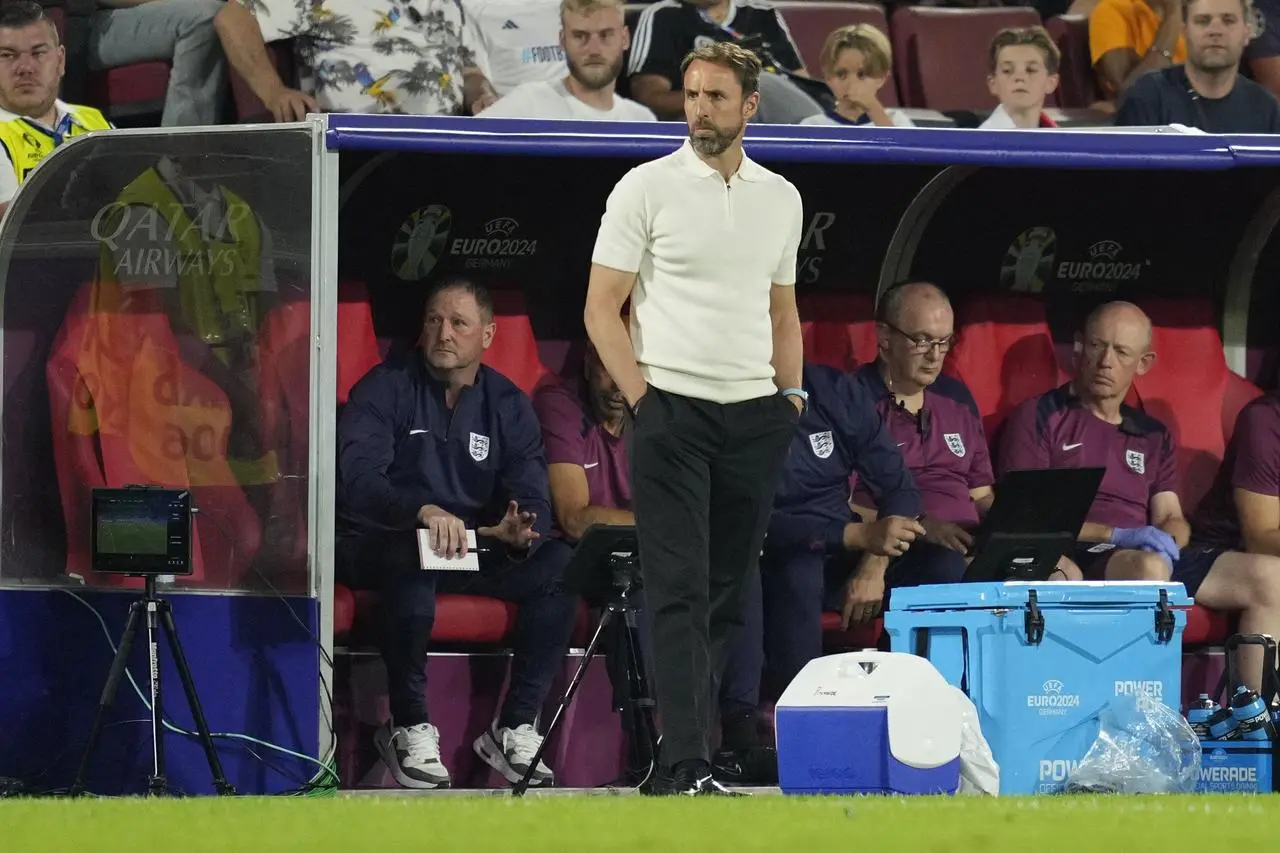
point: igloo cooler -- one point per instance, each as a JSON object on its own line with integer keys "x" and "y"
{"x": 868, "y": 723}
{"x": 1041, "y": 660}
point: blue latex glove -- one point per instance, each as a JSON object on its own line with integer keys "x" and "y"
{"x": 1147, "y": 538}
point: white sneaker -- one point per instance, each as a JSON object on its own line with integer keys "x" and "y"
{"x": 413, "y": 754}
{"x": 511, "y": 751}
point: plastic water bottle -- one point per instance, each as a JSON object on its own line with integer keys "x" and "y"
{"x": 1222, "y": 725}
{"x": 1253, "y": 719}
{"x": 1199, "y": 713}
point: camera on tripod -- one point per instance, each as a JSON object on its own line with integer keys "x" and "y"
{"x": 145, "y": 531}
{"x": 616, "y": 593}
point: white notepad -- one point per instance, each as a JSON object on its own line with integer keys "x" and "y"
{"x": 431, "y": 563}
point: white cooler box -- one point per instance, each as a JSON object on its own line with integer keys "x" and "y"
{"x": 868, "y": 723}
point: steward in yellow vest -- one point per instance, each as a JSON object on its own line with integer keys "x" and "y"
{"x": 27, "y": 141}
{"x": 33, "y": 122}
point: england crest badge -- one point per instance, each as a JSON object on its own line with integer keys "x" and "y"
{"x": 822, "y": 444}
{"x": 955, "y": 443}
{"x": 1136, "y": 461}
{"x": 479, "y": 447}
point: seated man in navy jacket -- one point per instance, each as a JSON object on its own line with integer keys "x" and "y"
{"x": 816, "y": 543}
{"x": 434, "y": 439}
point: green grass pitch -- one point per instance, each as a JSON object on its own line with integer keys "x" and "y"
{"x": 562, "y": 823}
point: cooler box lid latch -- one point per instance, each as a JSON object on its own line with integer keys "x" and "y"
{"x": 1033, "y": 622}
{"x": 1164, "y": 619}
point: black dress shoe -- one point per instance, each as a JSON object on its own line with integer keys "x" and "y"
{"x": 689, "y": 781}
{"x": 756, "y": 766}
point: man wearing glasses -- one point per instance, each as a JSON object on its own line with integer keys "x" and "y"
{"x": 934, "y": 422}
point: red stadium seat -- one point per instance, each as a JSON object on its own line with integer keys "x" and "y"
{"x": 1207, "y": 627}
{"x": 248, "y": 106}
{"x": 514, "y": 352}
{"x": 1004, "y": 353}
{"x": 940, "y": 55}
{"x": 1078, "y": 85}
{"x": 129, "y": 90}
{"x": 127, "y": 409}
{"x": 838, "y": 329}
{"x": 1191, "y": 389}
{"x": 811, "y": 21}
{"x": 284, "y": 351}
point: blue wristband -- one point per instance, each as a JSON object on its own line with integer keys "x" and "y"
{"x": 796, "y": 392}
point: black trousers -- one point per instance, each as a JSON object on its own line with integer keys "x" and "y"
{"x": 703, "y": 477}
{"x": 407, "y": 610}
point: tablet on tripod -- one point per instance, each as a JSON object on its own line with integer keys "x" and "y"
{"x": 1035, "y": 520}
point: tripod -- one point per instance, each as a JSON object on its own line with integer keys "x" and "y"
{"x": 158, "y": 614}
{"x": 624, "y": 573}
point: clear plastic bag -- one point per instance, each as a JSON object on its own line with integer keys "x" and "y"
{"x": 1143, "y": 747}
{"x": 979, "y": 773}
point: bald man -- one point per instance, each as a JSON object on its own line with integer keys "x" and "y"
{"x": 1136, "y": 528}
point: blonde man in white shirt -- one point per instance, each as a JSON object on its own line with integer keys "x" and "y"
{"x": 594, "y": 36}
{"x": 703, "y": 242}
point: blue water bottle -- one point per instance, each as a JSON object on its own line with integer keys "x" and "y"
{"x": 1199, "y": 714}
{"x": 1222, "y": 725}
{"x": 1253, "y": 718}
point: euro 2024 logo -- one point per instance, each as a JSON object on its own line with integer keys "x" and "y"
{"x": 421, "y": 242}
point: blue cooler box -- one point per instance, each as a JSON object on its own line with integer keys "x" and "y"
{"x": 1235, "y": 767}
{"x": 868, "y": 723}
{"x": 1041, "y": 660}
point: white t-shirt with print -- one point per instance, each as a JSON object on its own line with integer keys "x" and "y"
{"x": 376, "y": 56}
{"x": 555, "y": 101}
{"x": 519, "y": 40}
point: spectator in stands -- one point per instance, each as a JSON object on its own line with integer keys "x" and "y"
{"x": 368, "y": 56}
{"x": 33, "y": 121}
{"x": 1263, "y": 52}
{"x": 594, "y": 35}
{"x": 1128, "y": 38}
{"x": 1241, "y": 513}
{"x": 583, "y": 423}
{"x": 1208, "y": 92}
{"x": 517, "y": 40}
{"x": 242, "y": 40}
{"x": 435, "y": 439}
{"x": 856, "y": 61}
{"x": 180, "y": 32}
{"x": 669, "y": 29}
{"x": 1135, "y": 528}
{"x": 1024, "y": 71}
{"x": 817, "y": 547}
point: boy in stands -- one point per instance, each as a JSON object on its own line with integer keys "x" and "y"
{"x": 1024, "y": 71}
{"x": 855, "y": 63}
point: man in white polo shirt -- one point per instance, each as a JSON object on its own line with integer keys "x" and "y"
{"x": 594, "y": 35}
{"x": 703, "y": 242}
